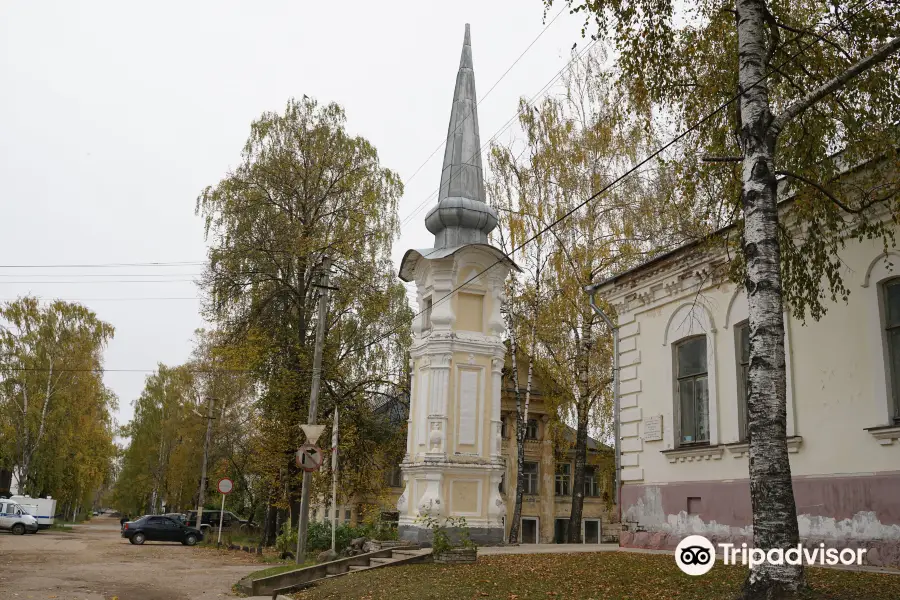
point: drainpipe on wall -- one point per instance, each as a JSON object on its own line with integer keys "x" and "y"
{"x": 592, "y": 290}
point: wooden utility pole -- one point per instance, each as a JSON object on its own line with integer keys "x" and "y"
{"x": 202, "y": 496}
{"x": 313, "y": 404}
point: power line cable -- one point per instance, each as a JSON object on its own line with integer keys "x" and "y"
{"x": 626, "y": 174}
{"x": 504, "y": 127}
{"x": 409, "y": 217}
{"x": 483, "y": 98}
{"x": 103, "y": 265}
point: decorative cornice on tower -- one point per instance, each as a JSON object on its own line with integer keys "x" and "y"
{"x": 462, "y": 216}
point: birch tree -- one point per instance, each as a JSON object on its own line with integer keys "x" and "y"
{"x": 54, "y": 409}
{"x": 518, "y": 193}
{"x": 816, "y": 90}
{"x": 576, "y": 143}
{"x": 305, "y": 188}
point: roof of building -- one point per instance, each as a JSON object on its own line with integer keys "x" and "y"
{"x": 592, "y": 444}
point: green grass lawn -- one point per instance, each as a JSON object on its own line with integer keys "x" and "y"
{"x": 595, "y": 576}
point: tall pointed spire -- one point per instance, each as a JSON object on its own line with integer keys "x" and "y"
{"x": 461, "y": 216}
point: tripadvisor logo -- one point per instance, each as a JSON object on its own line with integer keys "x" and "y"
{"x": 696, "y": 555}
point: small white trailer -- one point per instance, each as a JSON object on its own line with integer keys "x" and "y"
{"x": 42, "y": 509}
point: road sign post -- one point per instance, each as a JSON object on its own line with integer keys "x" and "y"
{"x": 225, "y": 486}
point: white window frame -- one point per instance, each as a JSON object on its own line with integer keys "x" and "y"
{"x": 738, "y": 312}
{"x": 876, "y": 276}
{"x": 599, "y": 523}
{"x": 537, "y": 529}
{"x": 689, "y": 320}
{"x": 537, "y": 479}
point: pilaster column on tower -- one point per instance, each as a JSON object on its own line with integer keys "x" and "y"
{"x": 442, "y": 317}
{"x": 410, "y": 449}
{"x": 496, "y": 504}
{"x": 496, "y": 324}
{"x": 436, "y": 449}
{"x": 496, "y": 423}
{"x": 430, "y": 503}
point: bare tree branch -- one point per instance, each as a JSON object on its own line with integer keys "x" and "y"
{"x": 829, "y": 87}
{"x": 831, "y": 196}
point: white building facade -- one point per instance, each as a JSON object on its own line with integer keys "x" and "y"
{"x": 683, "y": 357}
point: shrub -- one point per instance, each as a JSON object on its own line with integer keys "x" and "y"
{"x": 287, "y": 540}
{"x": 441, "y": 536}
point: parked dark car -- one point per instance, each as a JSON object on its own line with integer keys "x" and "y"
{"x": 211, "y": 519}
{"x": 160, "y": 529}
{"x": 176, "y": 516}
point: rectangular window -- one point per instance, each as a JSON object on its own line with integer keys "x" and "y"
{"x": 694, "y": 505}
{"x": 892, "y": 336}
{"x": 503, "y": 429}
{"x": 393, "y": 477}
{"x": 530, "y": 478}
{"x": 591, "y": 487}
{"x": 347, "y": 516}
{"x": 692, "y": 391}
{"x": 743, "y": 376}
{"x": 563, "y": 479}
{"x": 531, "y": 430}
{"x": 503, "y": 484}
{"x": 591, "y": 532}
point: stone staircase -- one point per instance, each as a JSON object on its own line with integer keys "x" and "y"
{"x": 298, "y": 579}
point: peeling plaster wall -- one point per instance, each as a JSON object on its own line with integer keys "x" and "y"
{"x": 840, "y": 511}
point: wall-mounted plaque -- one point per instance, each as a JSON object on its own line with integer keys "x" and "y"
{"x": 653, "y": 430}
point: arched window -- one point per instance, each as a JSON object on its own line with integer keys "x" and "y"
{"x": 692, "y": 391}
{"x": 891, "y": 323}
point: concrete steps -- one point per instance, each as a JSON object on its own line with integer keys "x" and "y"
{"x": 310, "y": 576}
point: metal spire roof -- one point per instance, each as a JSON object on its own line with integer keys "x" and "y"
{"x": 461, "y": 216}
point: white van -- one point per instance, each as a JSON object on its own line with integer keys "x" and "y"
{"x": 16, "y": 519}
{"x": 41, "y": 509}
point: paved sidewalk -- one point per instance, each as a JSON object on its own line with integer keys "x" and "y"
{"x": 546, "y": 549}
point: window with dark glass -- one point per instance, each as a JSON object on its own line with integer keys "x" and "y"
{"x": 503, "y": 429}
{"x": 892, "y": 337}
{"x": 530, "y": 478}
{"x": 393, "y": 476}
{"x": 563, "y": 479}
{"x": 743, "y": 377}
{"x": 692, "y": 391}
{"x": 591, "y": 486}
{"x": 531, "y": 430}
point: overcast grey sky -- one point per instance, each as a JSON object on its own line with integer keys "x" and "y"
{"x": 114, "y": 115}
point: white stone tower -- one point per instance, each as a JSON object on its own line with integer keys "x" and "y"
{"x": 453, "y": 466}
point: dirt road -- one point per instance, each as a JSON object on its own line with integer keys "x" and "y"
{"x": 95, "y": 563}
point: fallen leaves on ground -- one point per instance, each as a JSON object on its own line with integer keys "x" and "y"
{"x": 594, "y": 576}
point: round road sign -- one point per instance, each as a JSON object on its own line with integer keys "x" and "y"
{"x": 225, "y": 486}
{"x": 309, "y": 458}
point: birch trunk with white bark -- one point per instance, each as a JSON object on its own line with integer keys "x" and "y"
{"x": 520, "y": 439}
{"x": 771, "y": 489}
{"x": 582, "y": 411}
